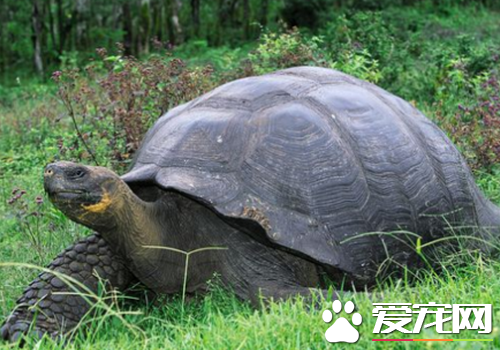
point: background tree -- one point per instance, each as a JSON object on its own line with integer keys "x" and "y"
{"x": 63, "y": 30}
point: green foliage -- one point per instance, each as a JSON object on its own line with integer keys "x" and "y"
{"x": 303, "y": 14}
{"x": 113, "y": 101}
{"x": 418, "y": 54}
{"x": 475, "y": 127}
{"x": 444, "y": 59}
{"x": 199, "y": 53}
{"x": 289, "y": 49}
{"x": 361, "y": 31}
{"x": 359, "y": 64}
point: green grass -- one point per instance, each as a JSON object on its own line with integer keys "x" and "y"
{"x": 197, "y": 53}
{"x": 218, "y": 320}
{"x": 32, "y": 122}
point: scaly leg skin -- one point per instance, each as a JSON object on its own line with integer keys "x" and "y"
{"x": 45, "y": 309}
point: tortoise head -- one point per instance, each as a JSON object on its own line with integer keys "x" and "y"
{"x": 86, "y": 194}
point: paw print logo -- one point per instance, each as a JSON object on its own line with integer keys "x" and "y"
{"x": 342, "y": 330}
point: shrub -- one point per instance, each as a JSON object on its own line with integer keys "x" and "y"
{"x": 361, "y": 31}
{"x": 475, "y": 127}
{"x": 113, "y": 102}
{"x": 292, "y": 48}
{"x": 289, "y": 49}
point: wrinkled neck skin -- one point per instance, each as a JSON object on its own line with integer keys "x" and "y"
{"x": 176, "y": 221}
{"x": 136, "y": 223}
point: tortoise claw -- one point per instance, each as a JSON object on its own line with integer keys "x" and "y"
{"x": 15, "y": 329}
{"x": 15, "y": 337}
{"x": 4, "y": 332}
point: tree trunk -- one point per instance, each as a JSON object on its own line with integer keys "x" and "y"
{"x": 64, "y": 26}
{"x": 221, "y": 23}
{"x": 3, "y": 39}
{"x": 263, "y": 12}
{"x": 117, "y": 20}
{"x": 176, "y": 9}
{"x": 232, "y": 13}
{"x": 227, "y": 9}
{"x": 82, "y": 10}
{"x": 195, "y": 16}
{"x": 52, "y": 29}
{"x": 60, "y": 22}
{"x": 127, "y": 28}
{"x": 36, "y": 20}
{"x": 145, "y": 28}
{"x": 158, "y": 25}
{"x": 246, "y": 19}
{"x": 168, "y": 18}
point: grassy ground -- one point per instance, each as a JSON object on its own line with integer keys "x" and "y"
{"x": 217, "y": 321}
{"x": 33, "y": 232}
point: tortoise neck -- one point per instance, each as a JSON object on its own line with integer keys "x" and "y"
{"x": 136, "y": 223}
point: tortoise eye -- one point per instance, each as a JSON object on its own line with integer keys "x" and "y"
{"x": 76, "y": 174}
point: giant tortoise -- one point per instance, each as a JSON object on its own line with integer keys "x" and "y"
{"x": 303, "y": 175}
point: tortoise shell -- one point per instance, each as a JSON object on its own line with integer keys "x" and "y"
{"x": 325, "y": 163}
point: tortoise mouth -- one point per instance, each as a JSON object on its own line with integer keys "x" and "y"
{"x": 74, "y": 196}
{"x": 67, "y": 194}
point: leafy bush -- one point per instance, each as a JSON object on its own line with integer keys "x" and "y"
{"x": 361, "y": 31}
{"x": 115, "y": 100}
{"x": 292, "y": 48}
{"x": 421, "y": 56}
{"x": 289, "y": 49}
{"x": 475, "y": 127}
{"x": 360, "y": 64}
{"x": 361, "y": 43}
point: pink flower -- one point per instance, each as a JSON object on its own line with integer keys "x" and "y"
{"x": 56, "y": 75}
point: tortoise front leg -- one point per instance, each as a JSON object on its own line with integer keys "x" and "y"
{"x": 44, "y": 308}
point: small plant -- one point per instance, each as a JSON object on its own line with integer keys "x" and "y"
{"x": 476, "y": 127}
{"x": 359, "y": 64}
{"x": 289, "y": 49}
{"x": 363, "y": 31}
{"x": 29, "y": 213}
{"x": 112, "y": 102}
